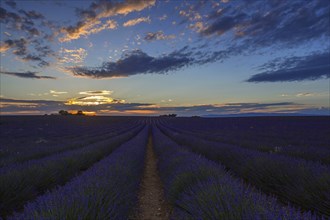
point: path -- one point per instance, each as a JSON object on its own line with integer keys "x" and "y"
{"x": 152, "y": 205}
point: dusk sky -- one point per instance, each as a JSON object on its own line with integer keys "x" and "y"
{"x": 156, "y": 57}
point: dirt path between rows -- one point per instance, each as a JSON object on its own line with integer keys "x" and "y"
{"x": 152, "y": 204}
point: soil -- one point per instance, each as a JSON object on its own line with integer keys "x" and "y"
{"x": 152, "y": 204}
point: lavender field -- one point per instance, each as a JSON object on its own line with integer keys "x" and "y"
{"x": 80, "y": 167}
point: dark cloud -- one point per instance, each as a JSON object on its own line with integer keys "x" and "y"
{"x": 27, "y": 75}
{"x": 34, "y": 45}
{"x": 15, "y": 106}
{"x": 255, "y": 25}
{"x": 224, "y": 24}
{"x": 41, "y": 102}
{"x": 31, "y": 57}
{"x": 263, "y": 23}
{"x": 32, "y": 14}
{"x": 6, "y": 16}
{"x": 312, "y": 67}
{"x": 33, "y": 31}
{"x": 159, "y": 35}
{"x": 11, "y": 3}
{"x": 136, "y": 62}
{"x": 86, "y": 14}
{"x": 91, "y": 19}
{"x": 20, "y": 48}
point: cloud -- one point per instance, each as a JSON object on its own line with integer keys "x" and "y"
{"x": 135, "y": 62}
{"x": 7, "y": 17}
{"x": 20, "y": 49}
{"x": 26, "y": 75}
{"x": 136, "y": 21}
{"x": 162, "y": 18}
{"x": 306, "y": 94}
{"x": 265, "y": 23}
{"x": 31, "y": 57}
{"x": 311, "y": 67}
{"x": 198, "y": 26}
{"x": 15, "y": 106}
{"x": 34, "y": 31}
{"x": 159, "y": 35}
{"x": 72, "y": 55}
{"x": 192, "y": 13}
{"x": 11, "y": 3}
{"x": 103, "y": 105}
{"x": 24, "y": 21}
{"x": 85, "y": 29}
{"x": 56, "y": 92}
{"x": 4, "y": 47}
{"x": 98, "y": 92}
{"x": 93, "y": 100}
{"x": 19, "y": 46}
{"x": 223, "y": 24}
{"x": 91, "y": 23}
{"x": 32, "y": 14}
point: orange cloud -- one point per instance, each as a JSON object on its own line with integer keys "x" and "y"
{"x": 98, "y": 92}
{"x": 72, "y": 56}
{"x": 92, "y": 24}
{"x": 93, "y": 100}
{"x": 84, "y": 29}
{"x": 4, "y": 47}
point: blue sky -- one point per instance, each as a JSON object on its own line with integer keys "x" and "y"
{"x": 157, "y": 57}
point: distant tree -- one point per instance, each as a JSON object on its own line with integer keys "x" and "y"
{"x": 62, "y": 112}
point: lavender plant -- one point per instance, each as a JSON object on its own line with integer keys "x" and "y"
{"x": 107, "y": 190}
{"x": 41, "y": 147}
{"x": 304, "y": 183}
{"x": 22, "y": 182}
{"x": 201, "y": 189}
{"x": 251, "y": 139}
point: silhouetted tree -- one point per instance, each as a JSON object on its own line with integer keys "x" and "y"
{"x": 62, "y": 112}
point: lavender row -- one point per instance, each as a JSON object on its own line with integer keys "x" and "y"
{"x": 35, "y": 152}
{"x": 51, "y": 135}
{"x": 201, "y": 189}
{"x": 26, "y": 181}
{"x": 306, "y": 184}
{"x": 108, "y": 190}
{"x": 297, "y": 131}
{"x": 308, "y": 153}
{"x": 19, "y": 135}
{"x": 53, "y": 127}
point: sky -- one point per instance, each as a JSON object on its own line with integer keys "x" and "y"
{"x": 154, "y": 57}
